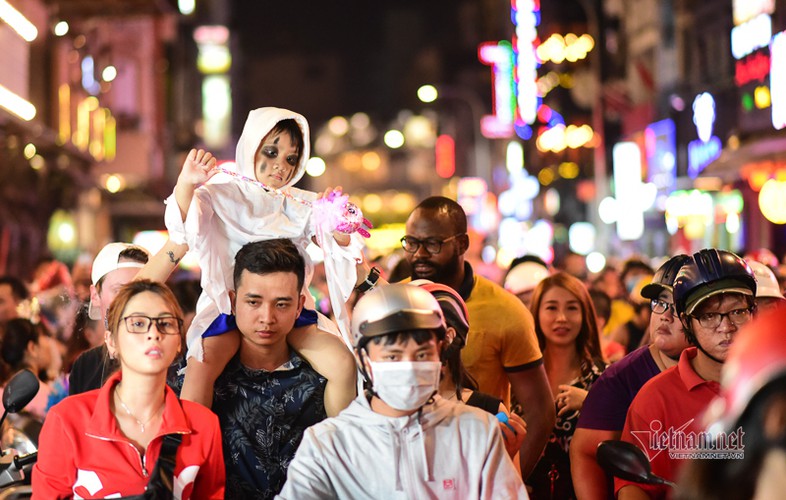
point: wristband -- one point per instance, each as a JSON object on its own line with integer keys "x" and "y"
{"x": 370, "y": 281}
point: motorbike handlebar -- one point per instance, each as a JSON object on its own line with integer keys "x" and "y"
{"x": 22, "y": 460}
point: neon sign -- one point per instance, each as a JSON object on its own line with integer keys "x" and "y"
{"x": 708, "y": 147}
{"x": 751, "y": 35}
{"x": 778, "y": 80}
{"x": 500, "y": 57}
{"x": 627, "y": 189}
{"x": 753, "y": 68}
{"x": 526, "y": 17}
{"x": 748, "y": 9}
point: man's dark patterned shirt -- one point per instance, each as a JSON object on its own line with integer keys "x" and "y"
{"x": 263, "y": 416}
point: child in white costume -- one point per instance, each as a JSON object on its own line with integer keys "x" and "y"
{"x": 258, "y": 202}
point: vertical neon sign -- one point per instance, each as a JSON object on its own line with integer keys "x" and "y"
{"x": 500, "y": 57}
{"x": 526, "y": 18}
{"x": 778, "y": 80}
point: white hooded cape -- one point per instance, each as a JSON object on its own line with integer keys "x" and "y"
{"x": 228, "y": 212}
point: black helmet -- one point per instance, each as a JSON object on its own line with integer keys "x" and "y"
{"x": 664, "y": 277}
{"x": 711, "y": 272}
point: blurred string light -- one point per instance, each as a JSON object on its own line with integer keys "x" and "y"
{"x": 581, "y": 237}
{"x": 338, "y": 126}
{"x": 37, "y": 162}
{"x": 372, "y": 203}
{"x": 559, "y": 137}
{"x": 428, "y": 93}
{"x": 420, "y": 131}
{"x": 61, "y": 28}
{"x": 595, "y": 262}
{"x": 29, "y": 151}
{"x": 315, "y": 166}
{"x": 109, "y": 73}
{"x": 17, "y": 22}
{"x": 186, "y": 7}
{"x": 115, "y": 183}
{"x": 569, "y": 48}
{"x": 394, "y": 139}
{"x": 360, "y": 120}
{"x": 772, "y": 201}
{"x": 607, "y": 210}
{"x": 370, "y": 160}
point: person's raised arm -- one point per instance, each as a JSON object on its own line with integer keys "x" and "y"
{"x": 589, "y": 479}
{"x": 330, "y": 357}
{"x": 161, "y": 265}
{"x": 531, "y": 388}
{"x": 197, "y": 169}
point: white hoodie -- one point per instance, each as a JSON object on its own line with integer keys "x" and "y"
{"x": 444, "y": 451}
{"x": 228, "y": 212}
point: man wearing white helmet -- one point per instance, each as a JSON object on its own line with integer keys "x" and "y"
{"x": 768, "y": 292}
{"x": 523, "y": 278}
{"x": 400, "y": 439}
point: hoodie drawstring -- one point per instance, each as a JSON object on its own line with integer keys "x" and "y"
{"x": 396, "y": 449}
{"x": 426, "y": 469}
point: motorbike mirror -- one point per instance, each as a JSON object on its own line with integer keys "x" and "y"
{"x": 626, "y": 461}
{"x": 19, "y": 391}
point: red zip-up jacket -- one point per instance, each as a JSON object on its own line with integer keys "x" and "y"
{"x": 83, "y": 454}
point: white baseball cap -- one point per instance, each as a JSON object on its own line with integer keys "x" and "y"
{"x": 107, "y": 261}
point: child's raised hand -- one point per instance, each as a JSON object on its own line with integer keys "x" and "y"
{"x": 198, "y": 167}
{"x": 327, "y": 192}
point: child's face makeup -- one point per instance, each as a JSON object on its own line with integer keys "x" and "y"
{"x": 276, "y": 159}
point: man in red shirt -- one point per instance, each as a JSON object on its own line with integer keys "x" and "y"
{"x": 713, "y": 297}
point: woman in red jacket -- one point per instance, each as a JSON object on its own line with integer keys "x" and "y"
{"x": 107, "y": 442}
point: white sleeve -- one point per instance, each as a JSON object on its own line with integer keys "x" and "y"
{"x": 173, "y": 221}
{"x": 499, "y": 477}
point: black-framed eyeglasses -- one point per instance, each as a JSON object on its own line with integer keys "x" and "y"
{"x": 166, "y": 325}
{"x": 661, "y": 306}
{"x": 714, "y": 319}
{"x": 432, "y": 245}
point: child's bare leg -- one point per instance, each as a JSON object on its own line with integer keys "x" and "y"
{"x": 329, "y": 356}
{"x": 200, "y": 376}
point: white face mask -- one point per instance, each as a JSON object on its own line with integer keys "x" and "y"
{"x": 405, "y": 385}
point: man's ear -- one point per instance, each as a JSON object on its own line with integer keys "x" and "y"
{"x": 232, "y": 299}
{"x": 450, "y": 334}
{"x": 463, "y": 243}
{"x": 95, "y": 298}
{"x": 301, "y": 303}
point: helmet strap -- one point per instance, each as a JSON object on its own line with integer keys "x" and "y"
{"x": 699, "y": 347}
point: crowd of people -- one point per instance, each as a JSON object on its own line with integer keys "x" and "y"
{"x": 432, "y": 382}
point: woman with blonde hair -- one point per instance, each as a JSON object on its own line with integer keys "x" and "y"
{"x": 568, "y": 336}
{"x": 133, "y": 434}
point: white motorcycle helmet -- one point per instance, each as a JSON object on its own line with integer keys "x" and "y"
{"x": 525, "y": 277}
{"x": 395, "y": 308}
{"x": 766, "y": 282}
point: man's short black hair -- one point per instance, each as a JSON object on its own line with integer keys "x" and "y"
{"x": 270, "y": 256}
{"x": 454, "y": 211}
{"x": 18, "y": 288}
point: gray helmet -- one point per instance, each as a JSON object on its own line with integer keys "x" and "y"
{"x": 395, "y": 308}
